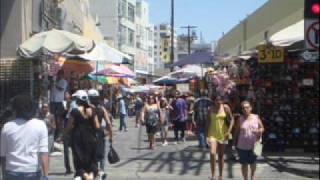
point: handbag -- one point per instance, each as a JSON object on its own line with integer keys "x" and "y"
{"x": 257, "y": 150}
{"x": 113, "y": 156}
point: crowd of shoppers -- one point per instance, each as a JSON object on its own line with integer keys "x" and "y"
{"x": 83, "y": 120}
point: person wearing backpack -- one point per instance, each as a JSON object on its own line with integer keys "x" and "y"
{"x": 105, "y": 128}
{"x": 152, "y": 118}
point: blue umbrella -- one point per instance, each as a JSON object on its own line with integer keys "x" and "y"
{"x": 199, "y": 57}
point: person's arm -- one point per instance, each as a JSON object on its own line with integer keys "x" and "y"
{"x": 52, "y": 122}
{"x": 44, "y": 159}
{"x": 3, "y": 152}
{"x": 62, "y": 85}
{"x": 43, "y": 150}
{"x": 142, "y": 114}
{"x": 260, "y": 127}
{"x": 108, "y": 123}
{"x": 160, "y": 114}
{"x": 236, "y": 131}
{"x": 208, "y": 122}
{"x": 229, "y": 113}
{"x": 96, "y": 122}
{"x": 69, "y": 125}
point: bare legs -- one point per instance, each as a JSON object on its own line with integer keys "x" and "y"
{"x": 151, "y": 141}
{"x": 245, "y": 168}
{"x": 214, "y": 147}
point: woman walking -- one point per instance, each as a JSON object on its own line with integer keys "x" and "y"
{"x": 217, "y": 132}
{"x": 249, "y": 130}
{"x": 152, "y": 118}
{"x": 165, "y": 108}
{"x": 84, "y": 125}
{"x": 48, "y": 118}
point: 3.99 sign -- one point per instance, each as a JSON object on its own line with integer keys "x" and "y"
{"x": 270, "y": 54}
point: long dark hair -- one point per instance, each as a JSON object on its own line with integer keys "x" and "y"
{"x": 23, "y": 107}
{"x": 84, "y": 104}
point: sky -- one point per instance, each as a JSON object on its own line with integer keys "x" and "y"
{"x": 212, "y": 17}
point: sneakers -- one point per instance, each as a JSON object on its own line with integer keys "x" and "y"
{"x": 175, "y": 143}
{"x": 165, "y": 143}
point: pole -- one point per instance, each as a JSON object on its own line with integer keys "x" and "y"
{"x": 172, "y": 34}
{"x": 189, "y": 36}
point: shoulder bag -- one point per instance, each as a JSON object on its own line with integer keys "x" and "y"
{"x": 257, "y": 150}
{"x": 113, "y": 156}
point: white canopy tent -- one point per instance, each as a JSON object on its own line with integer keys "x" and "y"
{"x": 105, "y": 53}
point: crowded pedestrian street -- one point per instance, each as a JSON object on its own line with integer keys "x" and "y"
{"x": 186, "y": 161}
{"x": 159, "y": 89}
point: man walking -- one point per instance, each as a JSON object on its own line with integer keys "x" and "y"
{"x": 58, "y": 93}
{"x": 24, "y": 143}
{"x": 122, "y": 113}
{"x": 180, "y": 115}
{"x": 201, "y": 110}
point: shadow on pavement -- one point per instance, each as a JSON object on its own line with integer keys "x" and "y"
{"x": 295, "y": 166}
{"x": 190, "y": 160}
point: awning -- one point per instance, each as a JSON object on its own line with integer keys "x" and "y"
{"x": 54, "y": 41}
{"x": 105, "y": 53}
{"x": 290, "y": 35}
{"x": 141, "y": 72}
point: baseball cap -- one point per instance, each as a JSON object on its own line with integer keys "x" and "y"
{"x": 81, "y": 94}
{"x": 93, "y": 93}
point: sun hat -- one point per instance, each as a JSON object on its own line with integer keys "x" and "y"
{"x": 81, "y": 95}
{"x": 93, "y": 93}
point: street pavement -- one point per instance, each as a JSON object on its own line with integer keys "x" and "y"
{"x": 186, "y": 162}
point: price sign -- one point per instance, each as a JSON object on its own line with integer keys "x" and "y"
{"x": 270, "y": 54}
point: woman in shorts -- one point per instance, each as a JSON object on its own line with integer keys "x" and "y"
{"x": 152, "y": 118}
{"x": 249, "y": 130}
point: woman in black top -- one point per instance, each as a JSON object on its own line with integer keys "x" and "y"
{"x": 84, "y": 125}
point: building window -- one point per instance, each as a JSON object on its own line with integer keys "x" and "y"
{"x": 150, "y": 51}
{"x": 123, "y": 35}
{"x": 131, "y": 37}
{"x": 123, "y": 12}
{"x": 131, "y": 12}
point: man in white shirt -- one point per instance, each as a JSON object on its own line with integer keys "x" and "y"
{"x": 24, "y": 144}
{"x": 58, "y": 93}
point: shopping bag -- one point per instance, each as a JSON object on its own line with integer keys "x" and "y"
{"x": 257, "y": 150}
{"x": 113, "y": 156}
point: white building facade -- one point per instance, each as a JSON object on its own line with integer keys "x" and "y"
{"x": 116, "y": 19}
{"x": 144, "y": 59}
{"x": 162, "y": 45}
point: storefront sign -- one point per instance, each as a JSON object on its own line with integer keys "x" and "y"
{"x": 312, "y": 38}
{"x": 270, "y": 54}
{"x": 183, "y": 88}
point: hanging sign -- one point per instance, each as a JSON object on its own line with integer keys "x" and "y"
{"x": 312, "y": 38}
{"x": 270, "y": 54}
{"x": 183, "y": 88}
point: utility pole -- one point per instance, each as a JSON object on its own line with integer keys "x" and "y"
{"x": 172, "y": 34}
{"x": 189, "y": 36}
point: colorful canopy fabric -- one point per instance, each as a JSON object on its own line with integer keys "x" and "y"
{"x": 54, "y": 41}
{"x": 114, "y": 70}
{"x": 102, "y": 79}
